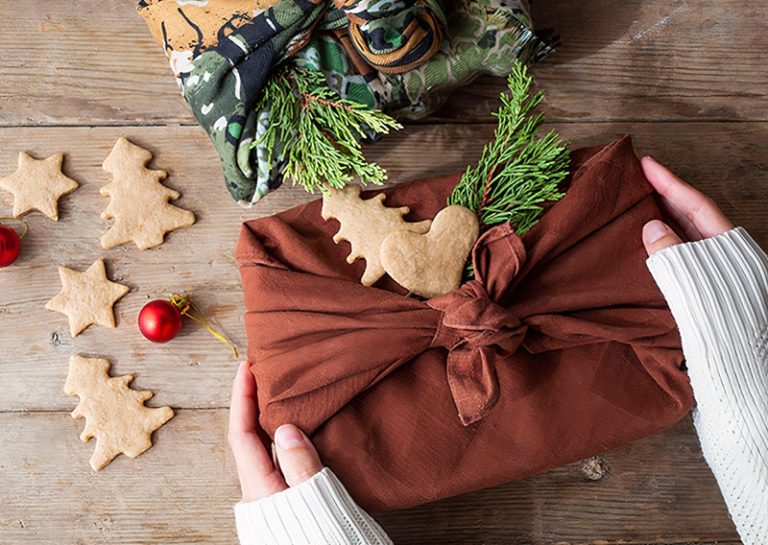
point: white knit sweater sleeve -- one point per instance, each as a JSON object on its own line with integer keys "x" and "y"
{"x": 319, "y": 511}
{"x": 717, "y": 290}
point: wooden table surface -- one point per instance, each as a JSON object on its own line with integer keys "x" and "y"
{"x": 687, "y": 79}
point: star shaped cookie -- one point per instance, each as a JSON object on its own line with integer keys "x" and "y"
{"x": 38, "y": 184}
{"x": 87, "y": 298}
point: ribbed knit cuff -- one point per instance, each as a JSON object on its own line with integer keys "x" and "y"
{"x": 319, "y": 511}
{"x": 717, "y": 290}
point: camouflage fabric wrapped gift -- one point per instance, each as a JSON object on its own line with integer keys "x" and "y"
{"x": 401, "y": 56}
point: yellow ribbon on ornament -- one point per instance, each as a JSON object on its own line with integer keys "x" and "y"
{"x": 187, "y": 308}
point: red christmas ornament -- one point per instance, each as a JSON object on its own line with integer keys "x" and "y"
{"x": 10, "y": 246}
{"x": 160, "y": 321}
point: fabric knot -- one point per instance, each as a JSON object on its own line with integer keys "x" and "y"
{"x": 394, "y": 37}
{"x": 473, "y": 328}
{"x": 469, "y": 316}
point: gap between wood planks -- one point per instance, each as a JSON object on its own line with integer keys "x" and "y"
{"x": 429, "y": 121}
{"x": 22, "y": 412}
{"x": 66, "y": 411}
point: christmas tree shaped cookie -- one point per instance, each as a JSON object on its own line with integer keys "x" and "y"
{"x": 139, "y": 203}
{"x": 365, "y": 224}
{"x": 114, "y": 413}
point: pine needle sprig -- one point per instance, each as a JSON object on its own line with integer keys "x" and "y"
{"x": 518, "y": 171}
{"x": 316, "y": 133}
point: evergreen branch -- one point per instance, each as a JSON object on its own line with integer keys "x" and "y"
{"x": 307, "y": 98}
{"x": 316, "y": 134}
{"x": 518, "y": 171}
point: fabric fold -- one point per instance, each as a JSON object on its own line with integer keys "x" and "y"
{"x": 560, "y": 348}
{"x": 403, "y": 57}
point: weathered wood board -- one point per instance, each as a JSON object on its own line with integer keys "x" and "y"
{"x": 182, "y": 490}
{"x": 620, "y": 60}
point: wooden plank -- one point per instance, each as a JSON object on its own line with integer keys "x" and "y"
{"x": 657, "y": 491}
{"x": 179, "y": 491}
{"x": 90, "y": 64}
{"x": 644, "y": 61}
{"x": 727, "y": 160}
{"x": 620, "y": 60}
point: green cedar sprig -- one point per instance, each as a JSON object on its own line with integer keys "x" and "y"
{"x": 318, "y": 132}
{"x": 518, "y": 171}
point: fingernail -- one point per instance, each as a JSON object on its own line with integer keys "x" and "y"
{"x": 288, "y": 437}
{"x": 654, "y": 230}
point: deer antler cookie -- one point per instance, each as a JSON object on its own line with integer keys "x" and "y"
{"x": 364, "y": 224}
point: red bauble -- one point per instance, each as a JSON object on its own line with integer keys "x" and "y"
{"x": 159, "y": 321}
{"x": 10, "y": 246}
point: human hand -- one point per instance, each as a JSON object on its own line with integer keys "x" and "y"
{"x": 718, "y": 298}
{"x": 259, "y": 477}
{"x": 696, "y": 214}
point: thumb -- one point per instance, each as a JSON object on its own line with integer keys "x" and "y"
{"x": 296, "y": 455}
{"x": 657, "y": 235}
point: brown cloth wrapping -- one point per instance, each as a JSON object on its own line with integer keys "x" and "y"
{"x": 561, "y": 348}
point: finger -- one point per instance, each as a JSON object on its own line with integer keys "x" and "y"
{"x": 258, "y": 476}
{"x": 690, "y": 231}
{"x": 243, "y": 412}
{"x": 657, "y": 235}
{"x": 297, "y": 455}
{"x": 698, "y": 210}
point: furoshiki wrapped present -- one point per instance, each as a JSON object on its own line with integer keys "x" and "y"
{"x": 559, "y": 348}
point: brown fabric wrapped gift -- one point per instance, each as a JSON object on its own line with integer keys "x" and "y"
{"x": 561, "y": 348}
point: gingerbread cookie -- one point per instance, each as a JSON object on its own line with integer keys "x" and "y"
{"x": 364, "y": 224}
{"x": 87, "y": 298}
{"x": 139, "y": 203}
{"x": 432, "y": 264}
{"x": 38, "y": 184}
{"x": 114, "y": 413}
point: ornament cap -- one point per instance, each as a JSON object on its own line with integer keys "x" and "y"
{"x": 24, "y": 224}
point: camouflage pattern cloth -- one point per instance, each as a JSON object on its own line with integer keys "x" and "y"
{"x": 401, "y": 56}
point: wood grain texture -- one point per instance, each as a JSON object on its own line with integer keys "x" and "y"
{"x": 687, "y": 79}
{"x": 86, "y": 63}
{"x": 656, "y": 491}
{"x": 620, "y": 60}
{"x": 640, "y": 60}
{"x": 180, "y": 491}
